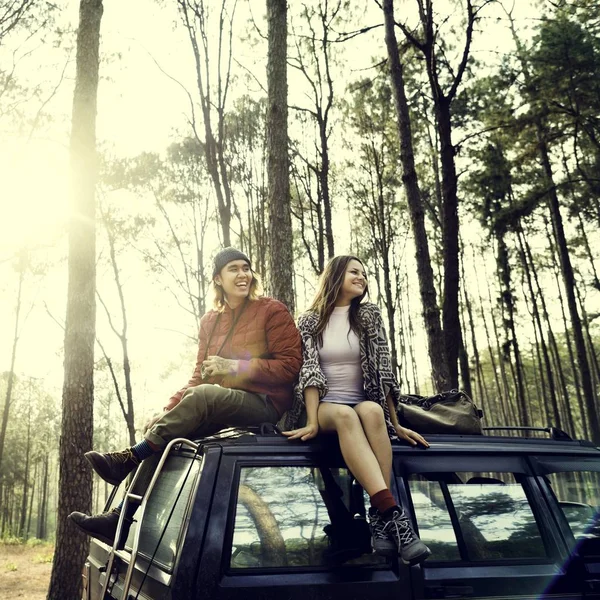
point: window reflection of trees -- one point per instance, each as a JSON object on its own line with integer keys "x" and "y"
{"x": 493, "y": 513}
{"x": 280, "y": 516}
{"x": 578, "y": 495}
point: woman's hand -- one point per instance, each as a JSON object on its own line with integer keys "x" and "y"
{"x": 410, "y": 436}
{"x": 305, "y": 433}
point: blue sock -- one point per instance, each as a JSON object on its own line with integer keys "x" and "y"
{"x": 142, "y": 450}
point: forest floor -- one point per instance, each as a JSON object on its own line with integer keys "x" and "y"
{"x": 25, "y": 570}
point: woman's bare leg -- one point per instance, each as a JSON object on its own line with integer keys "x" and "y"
{"x": 355, "y": 447}
{"x": 373, "y": 423}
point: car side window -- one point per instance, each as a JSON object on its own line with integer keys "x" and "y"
{"x": 493, "y": 519}
{"x": 158, "y": 519}
{"x": 299, "y": 516}
{"x": 578, "y": 495}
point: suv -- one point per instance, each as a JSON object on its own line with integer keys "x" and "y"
{"x": 259, "y": 517}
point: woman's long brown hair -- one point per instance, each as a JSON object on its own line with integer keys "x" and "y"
{"x": 330, "y": 285}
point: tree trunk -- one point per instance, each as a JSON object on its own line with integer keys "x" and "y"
{"x": 450, "y": 308}
{"x": 508, "y": 305}
{"x": 431, "y": 315}
{"x": 22, "y": 529}
{"x": 42, "y": 530}
{"x": 528, "y": 267}
{"x": 568, "y": 341}
{"x": 11, "y": 373}
{"x": 31, "y": 497}
{"x": 75, "y": 477}
{"x": 280, "y": 225}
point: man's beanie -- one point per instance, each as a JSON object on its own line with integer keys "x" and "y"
{"x": 226, "y": 256}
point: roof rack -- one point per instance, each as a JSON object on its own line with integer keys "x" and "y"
{"x": 554, "y": 432}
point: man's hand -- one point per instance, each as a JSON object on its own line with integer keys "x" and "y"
{"x": 215, "y": 365}
{"x": 303, "y": 433}
{"x": 153, "y": 420}
{"x": 410, "y": 436}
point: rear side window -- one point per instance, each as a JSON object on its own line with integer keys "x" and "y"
{"x": 578, "y": 495}
{"x": 158, "y": 517}
{"x": 299, "y": 516}
{"x": 475, "y": 517}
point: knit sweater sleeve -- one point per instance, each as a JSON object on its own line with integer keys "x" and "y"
{"x": 386, "y": 372}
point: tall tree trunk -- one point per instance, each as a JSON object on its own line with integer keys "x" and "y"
{"x": 568, "y": 340}
{"x": 528, "y": 267}
{"x": 22, "y": 529}
{"x": 31, "y": 497}
{"x": 431, "y": 315}
{"x": 280, "y": 225}
{"x": 450, "y": 306}
{"x": 510, "y": 409}
{"x": 11, "y": 372}
{"x": 42, "y": 532}
{"x": 508, "y": 308}
{"x": 75, "y": 477}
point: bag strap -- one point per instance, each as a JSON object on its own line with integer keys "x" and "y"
{"x": 229, "y": 333}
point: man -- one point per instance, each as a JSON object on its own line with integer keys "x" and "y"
{"x": 249, "y": 355}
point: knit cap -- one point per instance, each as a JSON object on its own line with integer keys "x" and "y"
{"x": 226, "y": 256}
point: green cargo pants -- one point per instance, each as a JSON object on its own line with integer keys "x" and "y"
{"x": 204, "y": 410}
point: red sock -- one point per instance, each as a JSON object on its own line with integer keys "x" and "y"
{"x": 383, "y": 500}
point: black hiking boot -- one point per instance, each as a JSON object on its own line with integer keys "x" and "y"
{"x": 380, "y": 541}
{"x": 102, "y": 527}
{"x": 411, "y": 549}
{"x": 113, "y": 467}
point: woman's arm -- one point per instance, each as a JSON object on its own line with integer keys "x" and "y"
{"x": 408, "y": 435}
{"x": 310, "y": 430}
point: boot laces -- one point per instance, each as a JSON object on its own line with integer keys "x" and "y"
{"x": 401, "y": 529}
{"x": 377, "y": 526}
{"x": 123, "y": 456}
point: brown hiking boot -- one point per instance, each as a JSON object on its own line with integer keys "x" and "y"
{"x": 102, "y": 527}
{"x": 113, "y": 467}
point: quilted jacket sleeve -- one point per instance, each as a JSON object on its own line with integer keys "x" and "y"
{"x": 196, "y": 378}
{"x": 285, "y": 355}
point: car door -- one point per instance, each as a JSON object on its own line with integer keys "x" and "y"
{"x": 278, "y": 534}
{"x": 572, "y": 486}
{"x": 486, "y": 522}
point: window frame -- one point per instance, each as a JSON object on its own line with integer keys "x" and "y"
{"x": 286, "y": 461}
{"x": 169, "y": 570}
{"x": 543, "y": 465}
{"x": 457, "y": 463}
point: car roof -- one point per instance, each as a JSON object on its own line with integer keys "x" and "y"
{"x": 248, "y": 443}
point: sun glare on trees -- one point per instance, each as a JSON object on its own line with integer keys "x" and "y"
{"x": 34, "y": 195}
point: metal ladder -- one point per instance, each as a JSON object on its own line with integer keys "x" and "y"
{"x": 142, "y": 500}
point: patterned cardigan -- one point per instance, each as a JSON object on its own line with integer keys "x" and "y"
{"x": 375, "y": 361}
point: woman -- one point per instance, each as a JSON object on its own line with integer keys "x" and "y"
{"x": 249, "y": 355}
{"x": 347, "y": 386}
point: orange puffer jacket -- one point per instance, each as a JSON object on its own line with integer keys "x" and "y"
{"x": 266, "y": 342}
